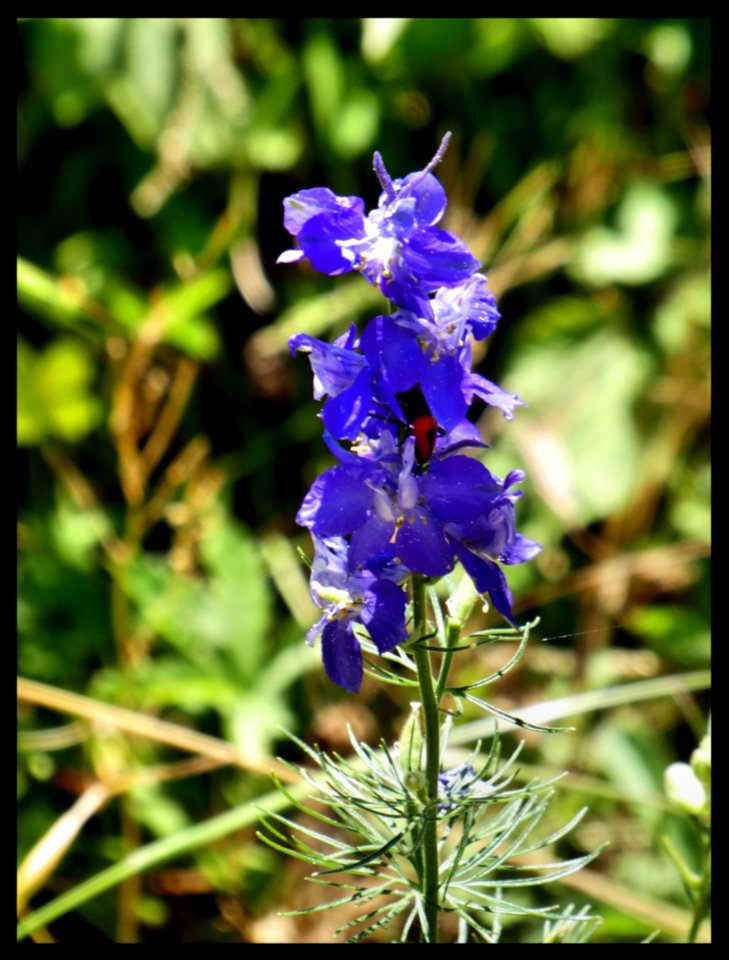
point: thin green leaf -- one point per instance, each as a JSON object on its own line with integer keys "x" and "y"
{"x": 384, "y": 921}
{"x": 371, "y": 857}
{"x": 515, "y": 721}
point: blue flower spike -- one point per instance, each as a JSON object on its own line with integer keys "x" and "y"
{"x": 403, "y": 498}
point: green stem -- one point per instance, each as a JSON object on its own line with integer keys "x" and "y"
{"x": 432, "y": 760}
{"x": 703, "y": 895}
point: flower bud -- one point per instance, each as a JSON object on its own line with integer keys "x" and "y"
{"x": 416, "y": 784}
{"x": 701, "y": 761}
{"x": 411, "y": 743}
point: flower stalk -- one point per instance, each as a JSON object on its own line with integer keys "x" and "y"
{"x": 431, "y": 723}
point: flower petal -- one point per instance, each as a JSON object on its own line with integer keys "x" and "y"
{"x": 344, "y": 414}
{"x": 489, "y": 579}
{"x": 395, "y": 351}
{"x": 457, "y": 489}
{"x": 337, "y": 503}
{"x": 301, "y": 207}
{"x": 422, "y": 546}
{"x": 290, "y": 256}
{"x": 318, "y": 238}
{"x": 438, "y": 258}
{"x": 520, "y": 549}
{"x": 371, "y": 546}
{"x": 430, "y": 197}
{"x": 342, "y": 655}
{"x": 335, "y": 368}
{"x": 442, "y": 388}
{"x": 384, "y": 614}
{"x": 469, "y": 302}
{"x": 492, "y": 394}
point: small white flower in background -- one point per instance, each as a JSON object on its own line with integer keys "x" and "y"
{"x": 684, "y": 789}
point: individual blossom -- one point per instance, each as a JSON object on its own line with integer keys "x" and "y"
{"x": 425, "y": 517}
{"x": 398, "y": 247}
{"x": 394, "y": 356}
{"x": 369, "y": 597}
{"x": 433, "y": 356}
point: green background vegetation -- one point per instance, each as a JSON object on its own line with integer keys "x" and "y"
{"x": 166, "y": 438}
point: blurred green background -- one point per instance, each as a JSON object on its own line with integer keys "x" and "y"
{"x": 166, "y": 438}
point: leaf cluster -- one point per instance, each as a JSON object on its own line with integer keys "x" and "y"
{"x": 487, "y": 839}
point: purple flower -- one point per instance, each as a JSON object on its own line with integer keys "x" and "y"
{"x": 398, "y": 247}
{"x": 435, "y": 355}
{"x": 425, "y": 518}
{"x": 398, "y": 354}
{"x": 322, "y": 222}
{"x": 402, "y": 498}
{"x": 368, "y": 597}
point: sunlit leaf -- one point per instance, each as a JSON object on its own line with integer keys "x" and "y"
{"x": 55, "y": 398}
{"x": 640, "y": 249}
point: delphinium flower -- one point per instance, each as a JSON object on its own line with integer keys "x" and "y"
{"x": 349, "y": 596}
{"x": 404, "y": 496}
{"x": 395, "y": 354}
{"x": 397, "y": 247}
{"x": 424, "y": 517}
